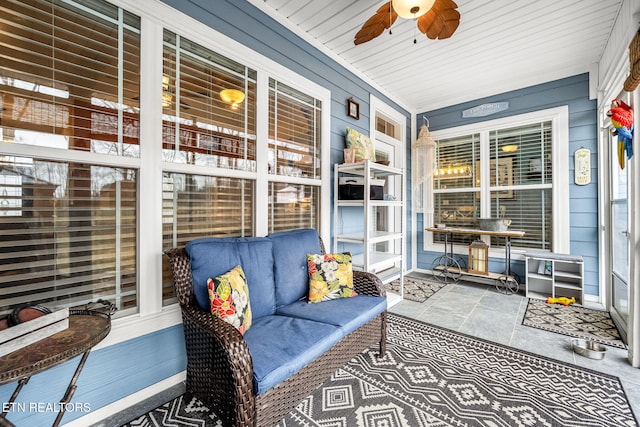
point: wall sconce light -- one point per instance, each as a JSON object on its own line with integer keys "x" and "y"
{"x": 478, "y": 258}
{"x": 232, "y": 96}
{"x": 509, "y": 148}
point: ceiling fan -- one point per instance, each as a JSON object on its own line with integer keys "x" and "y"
{"x": 437, "y": 19}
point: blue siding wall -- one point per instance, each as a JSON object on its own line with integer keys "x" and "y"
{"x": 115, "y": 372}
{"x": 583, "y": 132}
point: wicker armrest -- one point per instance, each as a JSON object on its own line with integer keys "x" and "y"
{"x": 368, "y": 284}
{"x": 219, "y": 365}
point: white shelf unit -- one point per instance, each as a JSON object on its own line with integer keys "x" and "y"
{"x": 372, "y": 229}
{"x": 554, "y": 275}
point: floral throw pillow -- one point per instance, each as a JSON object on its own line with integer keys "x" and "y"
{"x": 229, "y": 297}
{"x": 330, "y": 277}
{"x": 362, "y": 145}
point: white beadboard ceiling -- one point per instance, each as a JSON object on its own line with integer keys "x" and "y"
{"x": 500, "y": 45}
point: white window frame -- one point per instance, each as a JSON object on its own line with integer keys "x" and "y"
{"x": 559, "y": 118}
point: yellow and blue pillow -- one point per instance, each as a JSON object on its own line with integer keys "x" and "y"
{"x": 330, "y": 276}
{"x": 229, "y": 297}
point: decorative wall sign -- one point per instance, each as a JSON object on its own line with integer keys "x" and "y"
{"x": 582, "y": 164}
{"x": 486, "y": 109}
{"x": 353, "y": 109}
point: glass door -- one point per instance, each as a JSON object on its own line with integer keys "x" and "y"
{"x": 385, "y": 219}
{"x": 619, "y": 239}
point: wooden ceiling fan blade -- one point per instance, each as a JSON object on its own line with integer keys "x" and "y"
{"x": 383, "y": 19}
{"x": 441, "y": 21}
{"x": 429, "y": 25}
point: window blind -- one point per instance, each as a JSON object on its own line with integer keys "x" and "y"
{"x": 202, "y": 127}
{"x": 69, "y": 80}
{"x": 68, "y": 233}
{"x": 456, "y": 185}
{"x": 199, "y": 126}
{"x": 294, "y": 158}
{"x": 63, "y": 82}
{"x": 293, "y": 206}
{"x": 521, "y": 184}
{"x": 195, "y": 206}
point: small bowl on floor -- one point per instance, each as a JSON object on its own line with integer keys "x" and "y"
{"x": 588, "y": 348}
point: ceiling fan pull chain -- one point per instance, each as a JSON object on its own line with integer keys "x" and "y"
{"x": 390, "y": 11}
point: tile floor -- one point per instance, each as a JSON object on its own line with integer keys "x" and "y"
{"x": 480, "y": 310}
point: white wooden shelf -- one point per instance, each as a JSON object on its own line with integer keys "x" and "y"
{"x": 566, "y": 278}
{"x": 381, "y": 244}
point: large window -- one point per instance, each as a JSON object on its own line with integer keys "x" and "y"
{"x": 69, "y": 92}
{"x": 501, "y": 171}
{"x": 209, "y": 107}
{"x": 208, "y": 125}
{"x": 213, "y": 167}
{"x": 294, "y": 158}
{"x": 99, "y": 172}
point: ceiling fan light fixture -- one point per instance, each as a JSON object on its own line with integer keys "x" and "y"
{"x": 232, "y": 96}
{"x": 509, "y": 148}
{"x": 412, "y": 9}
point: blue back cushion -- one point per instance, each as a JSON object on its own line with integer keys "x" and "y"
{"x": 211, "y": 257}
{"x": 290, "y": 249}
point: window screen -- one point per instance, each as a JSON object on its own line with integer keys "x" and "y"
{"x": 69, "y": 80}
{"x": 294, "y": 158}
{"x": 519, "y": 184}
{"x": 68, "y": 233}
{"x": 69, "y": 76}
{"x": 208, "y": 104}
{"x": 456, "y": 185}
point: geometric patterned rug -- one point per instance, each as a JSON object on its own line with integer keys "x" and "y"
{"x": 416, "y": 289}
{"x": 574, "y": 321}
{"x": 432, "y": 376}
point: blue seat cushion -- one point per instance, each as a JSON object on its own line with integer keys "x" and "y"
{"x": 280, "y": 346}
{"x": 212, "y": 257}
{"x": 290, "y": 249}
{"x": 346, "y": 313}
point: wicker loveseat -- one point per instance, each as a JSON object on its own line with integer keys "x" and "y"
{"x": 291, "y": 346}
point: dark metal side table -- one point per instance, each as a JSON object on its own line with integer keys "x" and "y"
{"x": 447, "y": 267}
{"x": 86, "y": 329}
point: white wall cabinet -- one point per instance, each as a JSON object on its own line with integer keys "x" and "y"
{"x": 554, "y": 275}
{"x": 369, "y": 222}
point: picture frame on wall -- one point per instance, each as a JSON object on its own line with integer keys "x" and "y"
{"x": 353, "y": 108}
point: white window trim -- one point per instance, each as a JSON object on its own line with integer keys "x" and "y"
{"x": 152, "y": 316}
{"x": 559, "y": 118}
